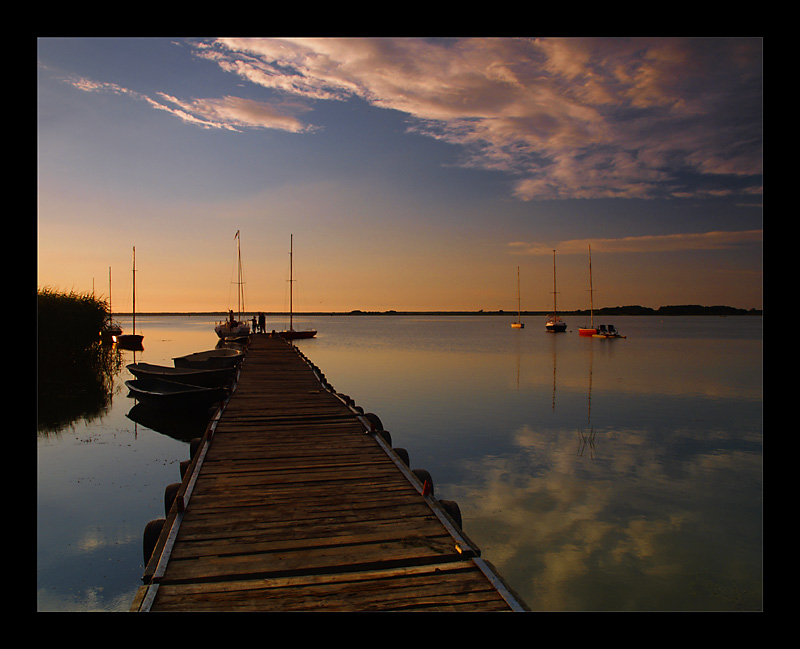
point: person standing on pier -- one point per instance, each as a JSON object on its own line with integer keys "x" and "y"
{"x": 262, "y": 323}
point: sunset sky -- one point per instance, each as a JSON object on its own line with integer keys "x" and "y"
{"x": 414, "y": 174}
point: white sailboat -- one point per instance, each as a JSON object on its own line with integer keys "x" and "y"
{"x": 290, "y": 333}
{"x": 554, "y": 322}
{"x": 231, "y": 327}
{"x": 132, "y": 341}
{"x": 518, "y": 324}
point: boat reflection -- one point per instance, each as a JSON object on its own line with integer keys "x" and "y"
{"x": 182, "y": 426}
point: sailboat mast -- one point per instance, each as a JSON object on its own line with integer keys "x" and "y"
{"x": 555, "y": 309}
{"x": 109, "y": 294}
{"x": 519, "y": 304}
{"x": 291, "y": 280}
{"x": 239, "y": 282}
{"x": 134, "y": 289}
{"x": 591, "y": 290}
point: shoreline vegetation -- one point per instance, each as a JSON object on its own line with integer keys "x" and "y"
{"x": 676, "y": 310}
{"x": 74, "y": 369}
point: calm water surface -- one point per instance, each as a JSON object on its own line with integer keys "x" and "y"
{"x": 596, "y": 475}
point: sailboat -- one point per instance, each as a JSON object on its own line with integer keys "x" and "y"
{"x": 518, "y": 324}
{"x": 601, "y": 331}
{"x": 111, "y": 329}
{"x": 290, "y": 333}
{"x": 231, "y": 327}
{"x": 590, "y": 330}
{"x": 554, "y": 322}
{"x": 132, "y": 341}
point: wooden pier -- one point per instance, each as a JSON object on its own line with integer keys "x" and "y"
{"x": 295, "y": 501}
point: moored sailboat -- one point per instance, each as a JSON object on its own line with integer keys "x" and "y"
{"x": 600, "y": 331}
{"x": 111, "y": 328}
{"x": 518, "y": 324}
{"x": 233, "y": 327}
{"x": 590, "y": 330}
{"x": 291, "y": 333}
{"x": 131, "y": 341}
{"x": 554, "y": 323}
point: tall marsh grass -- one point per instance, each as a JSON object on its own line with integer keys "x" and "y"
{"x": 75, "y": 371}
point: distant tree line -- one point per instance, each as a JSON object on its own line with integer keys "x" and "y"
{"x": 683, "y": 309}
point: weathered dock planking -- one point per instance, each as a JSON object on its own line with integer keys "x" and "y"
{"x": 294, "y": 501}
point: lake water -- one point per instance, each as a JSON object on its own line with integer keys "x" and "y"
{"x": 595, "y": 475}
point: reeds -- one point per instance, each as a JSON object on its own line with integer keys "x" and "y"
{"x": 75, "y": 371}
{"x": 68, "y": 321}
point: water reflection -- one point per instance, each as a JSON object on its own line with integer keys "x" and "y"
{"x": 75, "y": 384}
{"x": 595, "y": 474}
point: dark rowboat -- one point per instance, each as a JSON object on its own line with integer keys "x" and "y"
{"x": 213, "y": 378}
{"x": 211, "y": 359}
{"x": 168, "y": 394}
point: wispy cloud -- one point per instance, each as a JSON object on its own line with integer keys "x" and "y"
{"x": 661, "y": 243}
{"x": 568, "y": 118}
{"x": 564, "y": 118}
{"x": 229, "y": 113}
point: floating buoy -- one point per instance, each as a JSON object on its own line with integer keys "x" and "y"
{"x": 169, "y": 496}
{"x": 403, "y": 455}
{"x": 453, "y": 510}
{"x": 374, "y": 421}
{"x": 427, "y": 482}
{"x": 150, "y": 537}
{"x": 193, "y": 446}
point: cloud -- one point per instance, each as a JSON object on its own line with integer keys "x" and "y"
{"x": 660, "y": 243}
{"x": 564, "y": 118}
{"x": 567, "y": 118}
{"x": 229, "y": 113}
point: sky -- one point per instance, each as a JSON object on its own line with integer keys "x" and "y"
{"x": 409, "y": 174}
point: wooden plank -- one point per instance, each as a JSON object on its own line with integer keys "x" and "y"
{"x": 296, "y": 507}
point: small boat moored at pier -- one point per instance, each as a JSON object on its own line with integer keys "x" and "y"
{"x": 207, "y": 378}
{"x": 160, "y": 393}
{"x": 210, "y": 359}
{"x": 231, "y": 327}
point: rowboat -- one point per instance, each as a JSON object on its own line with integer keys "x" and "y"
{"x": 210, "y": 359}
{"x": 168, "y": 394}
{"x": 211, "y": 378}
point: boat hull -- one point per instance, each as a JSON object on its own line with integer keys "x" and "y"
{"x": 517, "y": 325}
{"x": 129, "y": 341}
{"x": 211, "y": 378}
{"x": 224, "y": 330}
{"x": 294, "y": 335}
{"x": 212, "y": 359}
{"x": 556, "y": 327}
{"x": 168, "y": 394}
{"x": 587, "y": 331}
